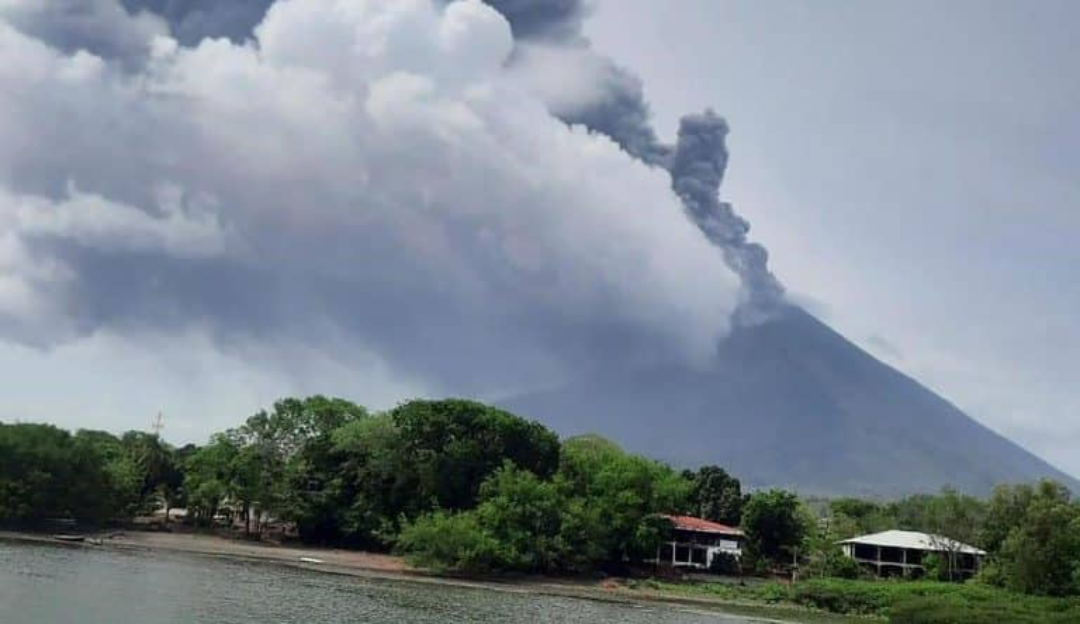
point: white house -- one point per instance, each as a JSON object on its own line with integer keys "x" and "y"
{"x": 695, "y": 542}
{"x": 903, "y": 553}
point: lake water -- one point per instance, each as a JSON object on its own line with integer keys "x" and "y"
{"x": 45, "y": 584}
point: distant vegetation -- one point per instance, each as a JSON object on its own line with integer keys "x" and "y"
{"x": 899, "y": 601}
{"x": 461, "y": 486}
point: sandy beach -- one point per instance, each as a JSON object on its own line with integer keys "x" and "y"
{"x": 392, "y": 568}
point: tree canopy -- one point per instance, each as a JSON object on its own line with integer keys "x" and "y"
{"x": 462, "y": 485}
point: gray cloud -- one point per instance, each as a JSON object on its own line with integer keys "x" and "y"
{"x": 193, "y": 20}
{"x": 616, "y": 108}
{"x": 390, "y": 193}
{"x": 307, "y": 186}
{"x": 102, "y": 27}
{"x": 554, "y": 20}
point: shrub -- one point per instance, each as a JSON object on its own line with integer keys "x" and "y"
{"x": 725, "y": 563}
{"x": 967, "y": 608}
{"x": 454, "y": 542}
{"x": 918, "y": 602}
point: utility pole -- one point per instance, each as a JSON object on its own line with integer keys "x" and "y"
{"x": 158, "y": 424}
{"x": 794, "y": 565}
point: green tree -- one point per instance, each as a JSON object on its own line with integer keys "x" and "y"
{"x": 1041, "y": 555}
{"x": 376, "y": 483}
{"x": 523, "y": 514}
{"x": 716, "y": 496}
{"x": 159, "y": 477}
{"x": 282, "y": 462}
{"x": 853, "y": 516}
{"x": 46, "y": 473}
{"x": 613, "y": 501}
{"x": 453, "y": 445}
{"x": 208, "y": 476}
{"x": 1005, "y": 512}
{"x": 774, "y": 524}
{"x": 601, "y": 508}
{"x": 449, "y": 541}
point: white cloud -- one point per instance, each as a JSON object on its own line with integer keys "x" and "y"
{"x": 364, "y": 177}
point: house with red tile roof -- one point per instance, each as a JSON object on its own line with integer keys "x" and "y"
{"x": 695, "y": 542}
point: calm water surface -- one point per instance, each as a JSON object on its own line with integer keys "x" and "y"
{"x": 45, "y": 584}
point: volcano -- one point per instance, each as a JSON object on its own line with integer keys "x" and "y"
{"x": 791, "y": 403}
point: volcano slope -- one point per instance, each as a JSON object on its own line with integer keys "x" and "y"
{"x": 792, "y": 403}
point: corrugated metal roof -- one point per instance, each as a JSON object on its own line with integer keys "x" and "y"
{"x": 916, "y": 540}
{"x": 690, "y": 523}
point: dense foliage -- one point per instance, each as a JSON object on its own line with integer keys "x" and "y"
{"x": 600, "y": 507}
{"x": 716, "y": 495}
{"x": 1030, "y": 532}
{"x": 455, "y": 484}
{"x": 931, "y": 601}
{"x": 897, "y": 601}
{"x": 460, "y": 485}
{"x": 91, "y": 476}
{"x": 774, "y": 526}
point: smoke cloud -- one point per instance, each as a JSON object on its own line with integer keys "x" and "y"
{"x": 697, "y": 170}
{"x": 367, "y": 175}
{"x": 581, "y": 86}
{"x": 578, "y": 85}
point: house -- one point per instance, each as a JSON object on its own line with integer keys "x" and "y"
{"x": 695, "y": 542}
{"x": 904, "y": 553}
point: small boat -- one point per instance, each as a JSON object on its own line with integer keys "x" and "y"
{"x": 311, "y": 560}
{"x": 63, "y": 537}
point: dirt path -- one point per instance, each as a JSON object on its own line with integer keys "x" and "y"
{"x": 213, "y": 545}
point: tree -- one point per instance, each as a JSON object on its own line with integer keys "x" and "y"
{"x": 773, "y": 524}
{"x": 717, "y": 496}
{"x": 159, "y": 478}
{"x": 208, "y": 477}
{"x": 1041, "y": 555}
{"x": 849, "y": 517}
{"x": 453, "y": 445}
{"x": 45, "y": 472}
{"x": 602, "y": 507}
{"x": 613, "y": 501}
{"x": 1005, "y": 512}
{"x": 523, "y": 515}
{"x": 449, "y": 541}
{"x": 375, "y": 481}
{"x": 282, "y": 458}
{"x": 123, "y": 473}
{"x": 953, "y": 520}
{"x": 823, "y": 555}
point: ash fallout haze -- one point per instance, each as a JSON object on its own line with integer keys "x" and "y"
{"x": 206, "y": 205}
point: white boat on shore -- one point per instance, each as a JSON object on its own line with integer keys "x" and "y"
{"x": 64, "y": 537}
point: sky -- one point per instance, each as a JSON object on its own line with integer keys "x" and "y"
{"x": 180, "y": 233}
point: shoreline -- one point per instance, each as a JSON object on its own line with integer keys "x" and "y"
{"x": 389, "y": 568}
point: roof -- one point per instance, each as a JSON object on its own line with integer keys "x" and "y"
{"x": 914, "y": 540}
{"x": 700, "y": 525}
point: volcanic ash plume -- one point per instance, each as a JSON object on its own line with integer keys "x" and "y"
{"x": 697, "y": 170}
{"x": 612, "y": 103}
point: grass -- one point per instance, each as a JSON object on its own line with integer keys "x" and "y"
{"x": 910, "y": 602}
